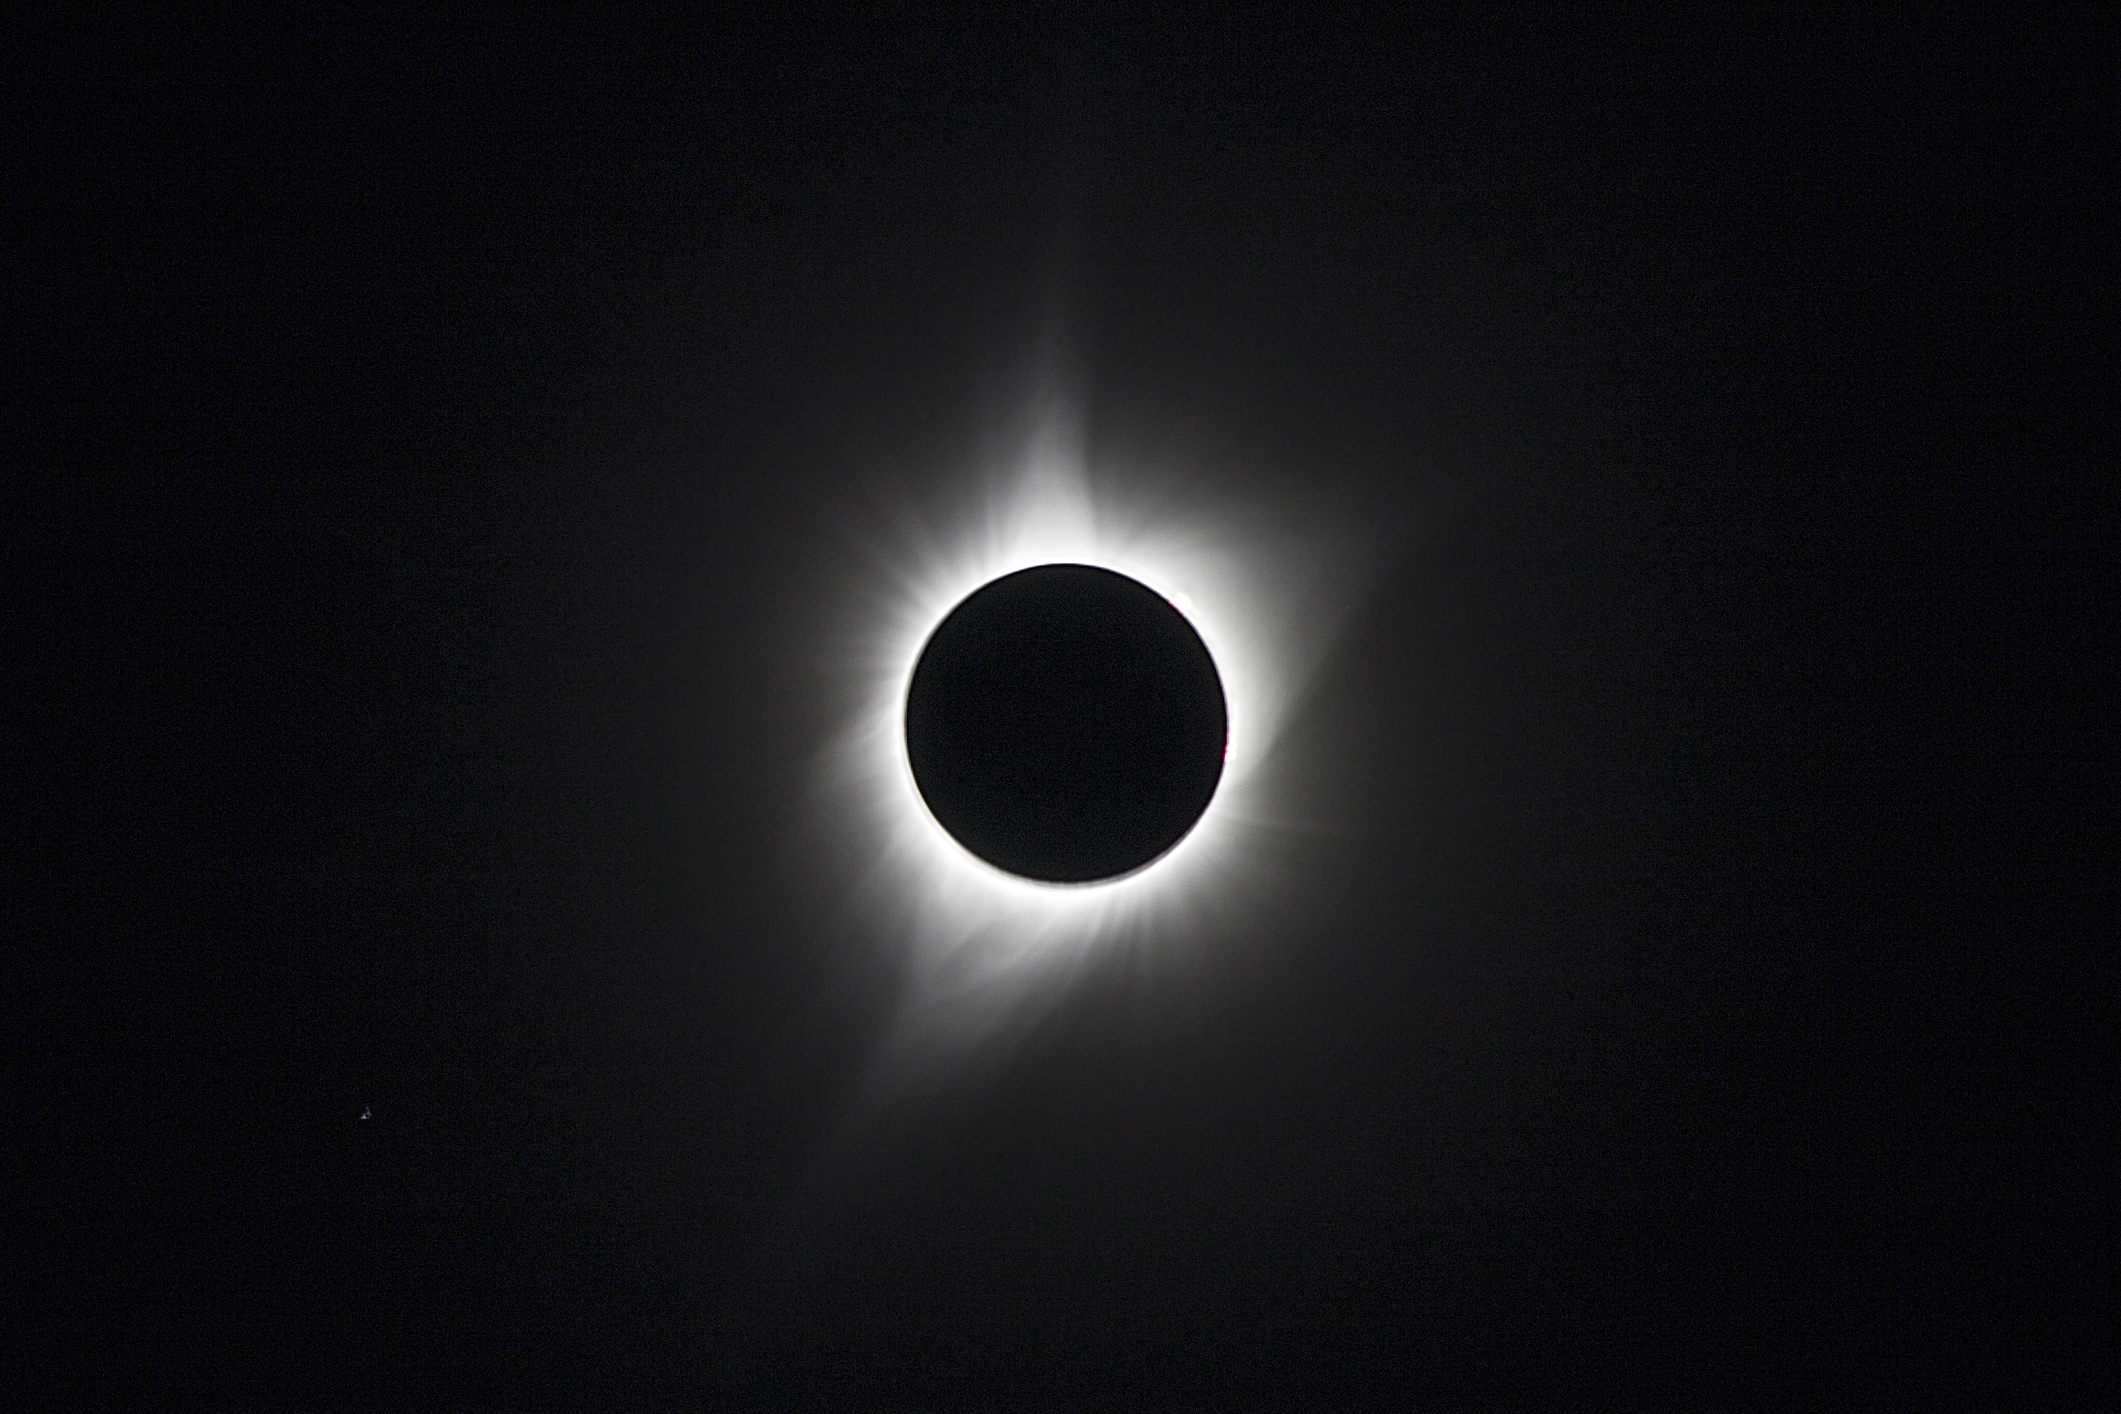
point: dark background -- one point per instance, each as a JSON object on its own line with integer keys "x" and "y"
{"x": 429, "y": 443}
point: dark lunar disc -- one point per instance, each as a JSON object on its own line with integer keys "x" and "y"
{"x": 1066, "y": 723}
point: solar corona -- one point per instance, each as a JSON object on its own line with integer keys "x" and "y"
{"x": 1059, "y": 689}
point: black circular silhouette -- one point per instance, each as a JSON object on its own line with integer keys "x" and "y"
{"x": 1066, "y": 723}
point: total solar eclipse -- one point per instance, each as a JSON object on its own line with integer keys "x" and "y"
{"x": 1065, "y": 723}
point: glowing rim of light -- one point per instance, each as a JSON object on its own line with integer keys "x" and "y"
{"x": 956, "y": 869}
{"x": 1220, "y": 573}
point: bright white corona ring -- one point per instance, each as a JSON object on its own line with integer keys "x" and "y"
{"x": 978, "y": 942}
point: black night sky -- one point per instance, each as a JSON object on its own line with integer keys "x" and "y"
{"x": 438, "y": 451}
